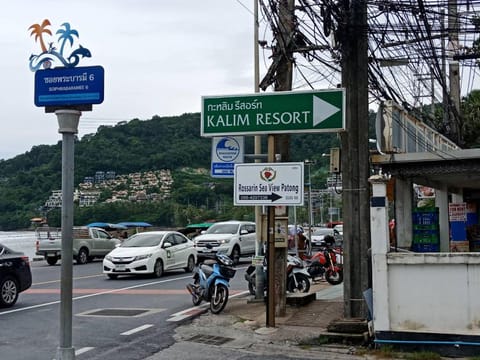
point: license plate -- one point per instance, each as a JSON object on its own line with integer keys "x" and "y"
{"x": 207, "y": 250}
{"x": 120, "y": 267}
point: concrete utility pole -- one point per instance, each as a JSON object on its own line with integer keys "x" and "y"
{"x": 454, "y": 76}
{"x": 355, "y": 156}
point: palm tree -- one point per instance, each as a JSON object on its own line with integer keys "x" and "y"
{"x": 39, "y": 30}
{"x": 66, "y": 35}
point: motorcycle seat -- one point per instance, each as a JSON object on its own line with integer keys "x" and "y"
{"x": 207, "y": 269}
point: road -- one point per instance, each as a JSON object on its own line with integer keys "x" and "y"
{"x": 128, "y": 318}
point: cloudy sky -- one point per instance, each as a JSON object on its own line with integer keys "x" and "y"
{"x": 159, "y": 56}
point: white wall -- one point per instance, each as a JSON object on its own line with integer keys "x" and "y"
{"x": 431, "y": 292}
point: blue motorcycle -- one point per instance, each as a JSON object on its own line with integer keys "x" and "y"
{"x": 211, "y": 282}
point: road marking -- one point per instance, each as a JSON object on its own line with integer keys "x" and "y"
{"x": 197, "y": 310}
{"x": 106, "y": 292}
{"x": 112, "y": 291}
{"x": 138, "y": 329}
{"x": 124, "y": 292}
{"x": 83, "y": 350}
{"x": 56, "y": 281}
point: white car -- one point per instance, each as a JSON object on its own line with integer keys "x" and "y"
{"x": 318, "y": 236}
{"x": 151, "y": 252}
{"x": 233, "y": 238}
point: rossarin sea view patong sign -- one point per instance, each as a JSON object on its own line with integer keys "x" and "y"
{"x": 278, "y": 112}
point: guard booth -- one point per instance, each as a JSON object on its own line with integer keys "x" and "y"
{"x": 426, "y": 272}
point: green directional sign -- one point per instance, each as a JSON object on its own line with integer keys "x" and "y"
{"x": 270, "y": 113}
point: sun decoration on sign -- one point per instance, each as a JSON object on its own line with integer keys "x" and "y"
{"x": 50, "y": 55}
{"x": 268, "y": 174}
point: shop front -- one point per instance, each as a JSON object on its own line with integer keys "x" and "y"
{"x": 426, "y": 273}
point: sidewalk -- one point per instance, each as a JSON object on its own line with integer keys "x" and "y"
{"x": 239, "y": 332}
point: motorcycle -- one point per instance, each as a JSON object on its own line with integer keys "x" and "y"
{"x": 326, "y": 263}
{"x": 211, "y": 282}
{"x": 297, "y": 276}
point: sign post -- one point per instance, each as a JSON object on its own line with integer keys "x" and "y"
{"x": 66, "y": 90}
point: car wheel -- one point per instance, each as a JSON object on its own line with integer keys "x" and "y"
{"x": 8, "y": 292}
{"x": 235, "y": 256}
{"x": 82, "y": 257}
{"x": 190, "y": 264}
{"x": 112, "y": 276}
{"x": 158, "y": 268}
{"x": 52, "y": 260}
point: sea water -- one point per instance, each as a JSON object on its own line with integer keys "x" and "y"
{"x": 23, "y": 241}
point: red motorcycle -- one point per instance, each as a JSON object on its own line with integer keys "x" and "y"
{"x": 326, "y": 262}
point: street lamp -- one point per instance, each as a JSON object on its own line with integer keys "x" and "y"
{"x": 309, "y": 163}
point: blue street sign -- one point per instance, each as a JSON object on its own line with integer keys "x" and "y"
{"x": 69, "y": 86}
{"x": 226, "y": 152}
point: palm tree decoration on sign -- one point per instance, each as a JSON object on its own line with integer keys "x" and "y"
{"x": 39, "y": 30}
{"x": 50, "y": 55}
{"x": 66, "y": 35}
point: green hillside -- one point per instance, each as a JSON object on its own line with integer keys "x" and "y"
{"x": 173, "y": 143}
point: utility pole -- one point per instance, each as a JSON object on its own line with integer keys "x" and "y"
{"x": 454, "y": 76}
{"x": 278, "y": 151}
{"x": 355, "y": 156}
{"x": 259, "y": 251}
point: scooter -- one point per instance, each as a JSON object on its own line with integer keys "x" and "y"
{"x": 211, "y": 280}
{"x": 297, "y": 276}
{"x": 326, "y": 262}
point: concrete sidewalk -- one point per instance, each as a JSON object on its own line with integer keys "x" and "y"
{"x": 239, "y": 332}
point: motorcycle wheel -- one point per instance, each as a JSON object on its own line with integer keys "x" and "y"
{"x": 252, "y": 287}
{"x": 219, "y": 299}
{"x": 196, "y": 300}
{"x": 334, "y": 277}
{"x": 302, "y": 286}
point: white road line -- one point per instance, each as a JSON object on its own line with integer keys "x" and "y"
{"x": 194, "y": 310}
{"x": 83, "y": 350}
{"x": 138, "y": 329}
{"x": 92, "y": 295}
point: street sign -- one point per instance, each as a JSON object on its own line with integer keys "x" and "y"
{"x": 268, "y": 184}
{"x": 69, "y": 86}
{"x": 226, "y": 152}
{"x": 270, "y": 113}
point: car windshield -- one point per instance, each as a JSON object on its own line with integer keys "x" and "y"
{"x": 143, "y": 240}
{"x": 222, "y": 229}
{"x": 322, "y": 232}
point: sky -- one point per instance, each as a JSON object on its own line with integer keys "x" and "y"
{"x": 160, "y": 57}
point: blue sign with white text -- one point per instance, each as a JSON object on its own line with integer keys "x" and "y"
{"x": 69, "y": 86}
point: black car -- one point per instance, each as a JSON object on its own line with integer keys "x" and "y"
{"x": 15, "y": 275}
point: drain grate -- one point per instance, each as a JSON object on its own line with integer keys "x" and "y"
{"x": 119, "y": 312}
{"x": 210, "y": 339}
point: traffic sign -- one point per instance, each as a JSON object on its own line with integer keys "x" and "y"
{"x": 69, "y": 86}
{"x": 268, "y": 184}
{"x": 270, "y": 113}
{"x": 226, "y": 152}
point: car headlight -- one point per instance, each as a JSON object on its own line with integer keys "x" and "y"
{"x": 141, "y": 257}
{"x": 108, "y": 257}
{"x": 224, "y": 241}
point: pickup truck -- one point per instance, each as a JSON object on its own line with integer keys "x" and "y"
{"x": 88, "y": 243}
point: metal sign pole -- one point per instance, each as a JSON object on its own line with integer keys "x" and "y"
{"x": 68, "y": 127}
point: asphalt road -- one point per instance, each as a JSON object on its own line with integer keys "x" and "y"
{"x": 126, "y": 319}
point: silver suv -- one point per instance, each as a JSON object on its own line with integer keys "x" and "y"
{"x": 234, "y": 238}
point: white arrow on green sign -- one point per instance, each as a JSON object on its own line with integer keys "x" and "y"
{"x": 270, "y": 113}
